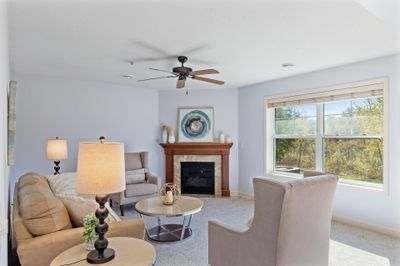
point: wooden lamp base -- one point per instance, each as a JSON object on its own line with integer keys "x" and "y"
{"x": 102, "y": 254}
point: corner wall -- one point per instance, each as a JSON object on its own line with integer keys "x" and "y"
{"x": 369, "y": 207}
{"x": 80, "y": 111}
{"x": 225, "y": 103}
{"x": 4, "y": 80}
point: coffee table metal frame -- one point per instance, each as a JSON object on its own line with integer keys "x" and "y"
{"x": 170, "y": 232}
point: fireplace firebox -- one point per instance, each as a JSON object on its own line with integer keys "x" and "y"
{"x": 198, "y": 178}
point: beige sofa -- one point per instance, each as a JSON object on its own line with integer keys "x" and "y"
{"x": 45, "y": 225}
{"x": 138, "y": 191}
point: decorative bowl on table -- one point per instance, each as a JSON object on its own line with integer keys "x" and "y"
{"x": 169, "y": 193}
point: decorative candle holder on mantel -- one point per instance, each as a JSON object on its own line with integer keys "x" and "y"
{"x": 169, "y": 193}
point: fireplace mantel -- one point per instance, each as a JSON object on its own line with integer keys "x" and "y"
{"x": 194, "y": 148}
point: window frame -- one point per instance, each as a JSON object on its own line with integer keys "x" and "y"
{"x": 269, "y": 139}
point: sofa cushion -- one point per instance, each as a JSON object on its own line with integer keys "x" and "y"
{"x": 133, "y": 161}
{"x": 40, "y": 210}
{"x": 135, "y": 176}
{"x": 64, "y": 187}
{"x": 141, "y": 189}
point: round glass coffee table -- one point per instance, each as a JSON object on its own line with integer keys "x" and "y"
{"x": 184, "y": 207}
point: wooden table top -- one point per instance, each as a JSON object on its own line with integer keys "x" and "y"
{"x": 183, "y": 206}
{"x": 128, "y": 251}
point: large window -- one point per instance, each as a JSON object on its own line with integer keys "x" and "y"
{"x": 339, "y": 131}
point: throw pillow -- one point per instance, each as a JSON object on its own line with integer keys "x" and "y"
{"x": 135, "y": 176}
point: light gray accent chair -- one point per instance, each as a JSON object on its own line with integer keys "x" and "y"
{"x": 139, "y": 191}
{"x": 291, "y": 226}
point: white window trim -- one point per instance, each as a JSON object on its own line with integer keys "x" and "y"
{"x": 268, "y": 138}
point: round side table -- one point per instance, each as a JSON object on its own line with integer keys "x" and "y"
{"x": 128, "y": 251}
{"x": 184, "y": 207}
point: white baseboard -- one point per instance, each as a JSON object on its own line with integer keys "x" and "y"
{"x": 372, "y": 227}
{"x": 241, "y": 195}
{"x": 245, "y": 195}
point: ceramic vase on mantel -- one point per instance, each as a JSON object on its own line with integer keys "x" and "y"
{"x": 171, "y": 136}
{"x": 164, "y": 135}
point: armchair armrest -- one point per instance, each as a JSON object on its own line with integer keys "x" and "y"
{"x": 154, "y": 180}
{"x": 224, "y": 239}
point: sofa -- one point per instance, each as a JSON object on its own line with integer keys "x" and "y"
{"x": 46, "y": 224}
{"x": 142, "y": 185}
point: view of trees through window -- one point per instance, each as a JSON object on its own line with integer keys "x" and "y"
{"x": 351, "y": 138}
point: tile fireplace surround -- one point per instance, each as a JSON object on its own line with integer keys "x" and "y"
{"x": 199, "y": 152}
{"x": 216, "y": 159}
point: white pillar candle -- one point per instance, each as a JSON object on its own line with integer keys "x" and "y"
{"x": 169, "y": 197}
{"x": 222, "y": 138}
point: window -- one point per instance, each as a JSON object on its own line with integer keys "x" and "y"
{"x": 338, "y": 130}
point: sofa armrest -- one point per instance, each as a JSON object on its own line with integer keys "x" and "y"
{"x": 127, "y": 228}
{"x": 42, "y": 250}
{"x": 154, "y": 180}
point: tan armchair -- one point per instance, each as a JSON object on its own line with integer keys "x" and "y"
{"x": 291, "y": 226}
{"x": 139, "y": 191}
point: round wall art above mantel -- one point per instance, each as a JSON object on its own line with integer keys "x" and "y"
{"x": 196, "y": 125}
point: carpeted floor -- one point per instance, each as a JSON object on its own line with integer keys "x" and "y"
{"x": 350, "y": 246}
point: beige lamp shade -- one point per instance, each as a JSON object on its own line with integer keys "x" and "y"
{"x": 101, "y": 168}
{"x": 56, "y": 149}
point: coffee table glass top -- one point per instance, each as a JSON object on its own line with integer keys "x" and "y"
{"x": 183, "y": 206}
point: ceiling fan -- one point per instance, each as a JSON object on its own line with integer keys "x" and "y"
{"x": 182, "y": 73}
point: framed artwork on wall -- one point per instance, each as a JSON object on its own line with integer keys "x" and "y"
{"x": 12, "y": 122}
{"x": 196, "y": 124}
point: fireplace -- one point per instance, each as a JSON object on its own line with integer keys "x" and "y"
{"x": 198, "y": 178}
{"x": 218, "y": 153}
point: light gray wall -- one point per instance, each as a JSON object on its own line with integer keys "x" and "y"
{"x": 225, "y": 103}
{"x": 362, "y": 205}
{"x": 80, "y": 111}
{"x": 4, "y": 79}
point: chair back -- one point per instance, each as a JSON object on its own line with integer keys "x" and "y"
{"x": 293, "y": 219}
{"x": 136, "y": 160}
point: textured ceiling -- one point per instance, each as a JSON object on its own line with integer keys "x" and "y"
{"x": 247, "y": 41}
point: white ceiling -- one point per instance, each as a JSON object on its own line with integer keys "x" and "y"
{"x": 247, "y": 40}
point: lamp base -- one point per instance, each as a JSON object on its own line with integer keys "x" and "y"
{"x": 93, "y": 256}
{"x": 57, "y": 167}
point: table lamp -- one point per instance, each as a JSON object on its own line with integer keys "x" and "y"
{"x": 100, "y": 172}
{"x": 56, "y": 150}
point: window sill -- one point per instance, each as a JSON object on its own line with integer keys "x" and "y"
{"x": 342, "y": 183}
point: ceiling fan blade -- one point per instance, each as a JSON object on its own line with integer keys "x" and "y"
{"x": 205, "y": 72}
{"x": 218, "y": 82}
{"x": 164, "y": 77}
{"x": 166, "y": 71}
{"x": 180, "y": 84}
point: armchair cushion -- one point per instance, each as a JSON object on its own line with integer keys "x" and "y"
{"x": 135, "y": 176}
{"x": 141, "y": 189}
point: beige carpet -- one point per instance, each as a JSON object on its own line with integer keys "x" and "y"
{"x": 350, "y": 246}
